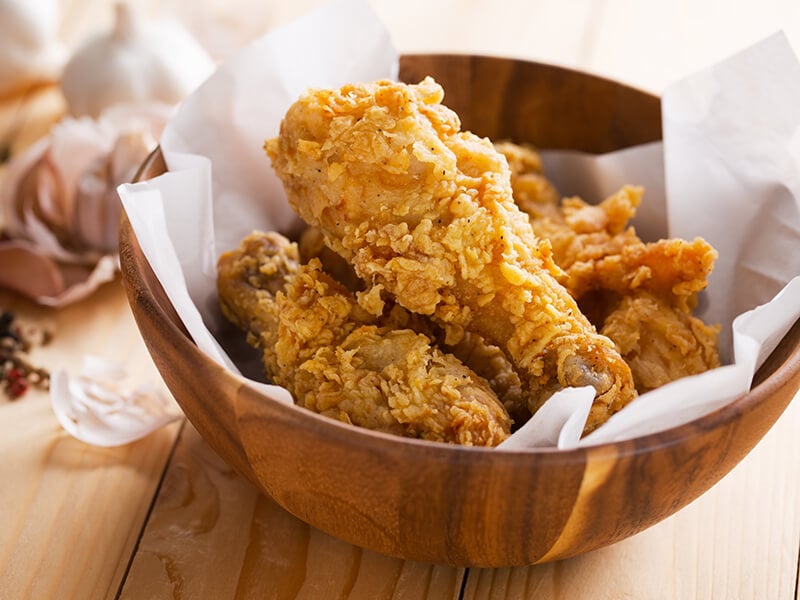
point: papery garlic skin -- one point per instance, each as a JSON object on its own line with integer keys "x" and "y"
{"x": 38, "y": 196}
{"x": 97, "y": 209}
{"x": 97, "y": 407}
{"x": 30, "y": 52}
{"x": 136, "y": 61}
{"x": 59, "y": 207}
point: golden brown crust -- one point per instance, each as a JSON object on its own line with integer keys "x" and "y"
{"x": 533, "y": 192}
{"x": 660, "y": 342}
{"x": 338, "y": 359}
{"x": 426, "y": 211}
{"x": 638, "y": 294}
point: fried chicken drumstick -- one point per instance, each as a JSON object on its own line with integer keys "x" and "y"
{"x": 425, "y": 212}
{"x": 338, "y": 359}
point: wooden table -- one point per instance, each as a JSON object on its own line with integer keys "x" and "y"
{"x": 166, "y": 518}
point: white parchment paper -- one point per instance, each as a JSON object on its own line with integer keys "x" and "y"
{"x": 730, "y": 147}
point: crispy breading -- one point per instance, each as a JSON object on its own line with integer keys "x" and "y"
{"x": 311, "y": 244}
{"x": 491, "y": 363}
{"x": 426, "y": 211}
{"x": 484, "y": 359}
{"x": 342, "y": 361}
{"x": 638, "y": 294}
{"x": 662, "y": 343}
{"x": 597, "y": 250}
{"x": 533, "y": 192}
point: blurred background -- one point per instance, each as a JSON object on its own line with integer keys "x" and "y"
{"x": 646, "y": 42}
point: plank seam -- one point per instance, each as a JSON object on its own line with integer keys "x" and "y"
{"x": 150, "y": 508}
{"x": 464, "y": 578}
{"x": 797, "y": 575}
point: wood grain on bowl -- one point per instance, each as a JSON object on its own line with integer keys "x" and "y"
{"x": 449, "y": 504}
{"x": 544, "y": 105}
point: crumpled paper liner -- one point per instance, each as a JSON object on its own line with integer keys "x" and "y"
{"x": 730, "y": 141}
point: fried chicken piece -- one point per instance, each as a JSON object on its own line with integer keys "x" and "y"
{"x": 340, "y": 361}
{"x": 425, "y": 211}
{"x": 661, "y": 343}
{"x": 533, "y": 192}
{"x": 638, "y": 294}
{"x": 312, "y": 245}
{"x": 598, "y": 251}
{"x": 491, "y": 363}
{"x": 248, "y": 281}
{"x": 485, "y": 360}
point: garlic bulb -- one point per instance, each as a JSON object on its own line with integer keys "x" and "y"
{"x": 135, "y": 61}
{"x": 29, "y": 50}
{"x": 59, "y": 206}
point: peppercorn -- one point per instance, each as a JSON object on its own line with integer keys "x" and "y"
{"x": 17, "y": 374}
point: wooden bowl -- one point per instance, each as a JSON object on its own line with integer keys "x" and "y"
{"x": 449, "y": 504}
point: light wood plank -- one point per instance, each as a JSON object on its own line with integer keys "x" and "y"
{"x": 72, "y": 512}
{"x": 205, "y": 514}
{"x": 739, "y": 540}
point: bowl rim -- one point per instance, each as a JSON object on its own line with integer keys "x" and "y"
{"x": 787, "y": 370}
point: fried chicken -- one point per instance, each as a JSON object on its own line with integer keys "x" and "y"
{"x": 491, "y": 363}
{"x": 533, "y": 192}
{"x": 597, "y": 251}
{"x": 424, "y": 212}
{"x": 312, "y": 245}
{"x": 638, "y": 294}
{"x": 339, "y": 359}
{"x": 485, "y": 360}
{"x": 661, "y": 343}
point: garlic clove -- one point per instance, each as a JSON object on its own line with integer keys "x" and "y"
{"x": 30, "y": 271}
{"x": 59, "y": 205}
{"x": 80, "y": 281}
{"x": 96, "y": 407}
{"x": 26, "y": 270}
{"x": 38, "y": 195}
{"x": 97, "y": 206}
{"x": 75, "y": 145}
{"x": 29, "y": 50}
{"x": 136, "y": 61}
